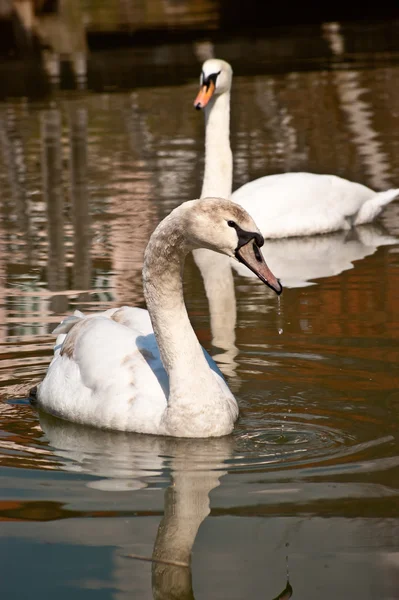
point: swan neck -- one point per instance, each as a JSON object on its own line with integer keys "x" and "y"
{"x": 163, "y": 290}
{"x": 218, "y": 171}
{"x": 215, "y": 268}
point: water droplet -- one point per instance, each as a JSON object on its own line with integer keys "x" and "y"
{"x": 279, "y": 316}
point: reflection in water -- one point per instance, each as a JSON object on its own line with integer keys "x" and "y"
{"x": 360, "y": 121}
{"x": 80, "y": 200}
{"x": 299, "y": 261}
{"x": 219, "y": 288}
{"x": 360, "y": 113}
{"x": 53, "y": 195}
{"x": 128, "y": 462}
{"x": 13, "y": 152}
{"x": 279, "y": 127}
{"x": 186, "y": 506}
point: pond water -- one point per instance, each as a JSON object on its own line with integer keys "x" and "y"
{"x": 304, "y": 493}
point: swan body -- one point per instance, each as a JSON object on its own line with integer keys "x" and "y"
{"x": 128, "y": 369}
{"x": 306, "y": 204}
{"x": 284, "y": 205}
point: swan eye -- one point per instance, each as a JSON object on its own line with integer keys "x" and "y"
{"x": 257, "y": 253}
{"x": 231, "y": 224}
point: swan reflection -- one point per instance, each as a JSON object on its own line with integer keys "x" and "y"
{"x": 297, "y": 262}
{"x": 122, "y": 461}
{"x": 127, "y": 462}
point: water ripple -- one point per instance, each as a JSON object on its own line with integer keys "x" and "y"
{"x": 285, "y": 443}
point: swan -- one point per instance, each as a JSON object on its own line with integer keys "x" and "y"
{"x": 132, "y": 370}
{"x": 284, "y": 205}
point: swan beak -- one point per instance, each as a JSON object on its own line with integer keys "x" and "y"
{"x": 204, "y": 95}
{"x": 250, "y": 255}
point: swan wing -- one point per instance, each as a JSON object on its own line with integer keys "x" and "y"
{"x": 137, "y": 319}
{"x": 108, "y": 375}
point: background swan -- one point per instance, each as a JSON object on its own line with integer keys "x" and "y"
{"x": 290, "y": 204}
{"x": 284, "y": 207}
{"x": 113, "y": 371}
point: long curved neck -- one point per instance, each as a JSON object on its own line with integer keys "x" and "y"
{"x": 218, "y": 173}
{"x": 179, "y": 347}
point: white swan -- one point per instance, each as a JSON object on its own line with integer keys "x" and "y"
{"x": 111, "y": 371}
{"x": 290, "y": 204}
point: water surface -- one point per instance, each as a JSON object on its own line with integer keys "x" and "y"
{"x": 308, "y": 483}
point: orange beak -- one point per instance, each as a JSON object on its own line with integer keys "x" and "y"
{"x": 204, "y": 95}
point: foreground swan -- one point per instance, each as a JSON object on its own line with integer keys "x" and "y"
{"x": 291, "y": 204}
{"x": 111, "y": 371}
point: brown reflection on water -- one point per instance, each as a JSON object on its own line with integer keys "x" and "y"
{"x": 298, "y": 121}
{"x": 19, "y": 445}
{"x": 53, "y": 196}
{"x": 80, "y": 198}
{"x": 360, "y": 303}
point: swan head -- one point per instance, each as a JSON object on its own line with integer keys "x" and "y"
{"x": 225, "y": 227}
{"x": 216, "y": 77}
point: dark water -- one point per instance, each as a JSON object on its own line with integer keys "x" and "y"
{"x": 307, "y": 486}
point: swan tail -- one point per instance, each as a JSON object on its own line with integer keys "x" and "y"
{"x": 373, "y": 207}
